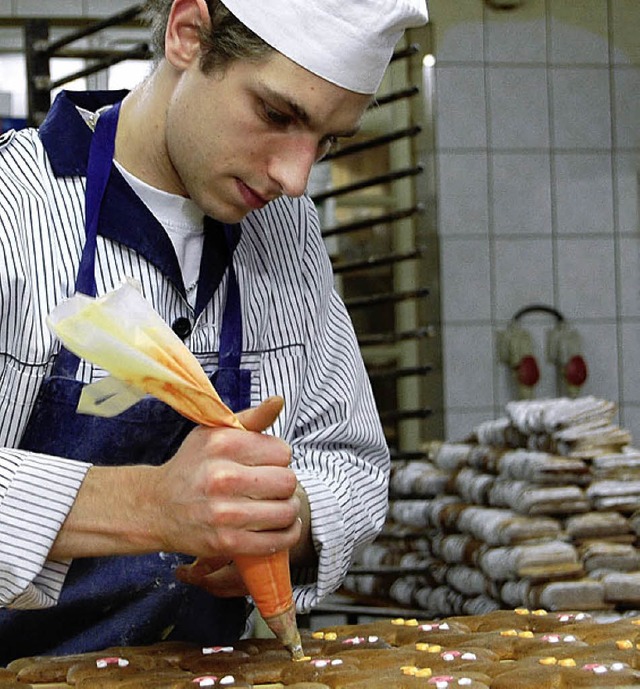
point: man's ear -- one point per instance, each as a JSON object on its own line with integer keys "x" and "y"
{"x": 182, "y": 38}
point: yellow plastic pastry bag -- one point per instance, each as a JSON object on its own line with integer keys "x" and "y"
{"x": 121, "y": 333}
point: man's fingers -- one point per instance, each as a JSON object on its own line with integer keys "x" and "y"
{"x": 224, "y": 582}
{"x": 259, "y": 418}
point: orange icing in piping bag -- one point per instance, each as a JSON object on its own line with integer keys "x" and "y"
{"x": 121, "y": 333}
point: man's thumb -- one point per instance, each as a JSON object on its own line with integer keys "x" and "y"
{"x": 259, "y": 418}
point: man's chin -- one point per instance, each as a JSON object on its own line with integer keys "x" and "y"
{"x": 227, "y": 214}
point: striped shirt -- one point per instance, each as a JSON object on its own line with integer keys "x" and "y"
{"x": 298, "y": 342}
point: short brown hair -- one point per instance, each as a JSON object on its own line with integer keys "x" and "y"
{"x": 225, "y": 40}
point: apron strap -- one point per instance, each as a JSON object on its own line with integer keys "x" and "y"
{"x": 231, "y": 328}
{"x": 98, "y": 173}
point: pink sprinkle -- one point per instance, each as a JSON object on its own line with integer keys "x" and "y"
{"x": 594, "y": 667}
{"x": 450, "y": 655}
{"x": 208, "y": 650}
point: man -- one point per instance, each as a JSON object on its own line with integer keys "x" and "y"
{"x": 195, "y": 187}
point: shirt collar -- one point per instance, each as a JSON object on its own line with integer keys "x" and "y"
{"x": 64, "y": 133}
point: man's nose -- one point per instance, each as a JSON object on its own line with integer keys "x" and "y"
{"x": 291, "y": 165}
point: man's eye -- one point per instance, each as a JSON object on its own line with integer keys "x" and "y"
{"x": 277, "y": 117}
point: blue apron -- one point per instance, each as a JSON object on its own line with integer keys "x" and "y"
{"x": 123, "y": 600}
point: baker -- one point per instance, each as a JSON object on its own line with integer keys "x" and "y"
{"x": 193, "y": 184}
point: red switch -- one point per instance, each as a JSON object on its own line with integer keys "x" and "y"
{"x": 575, "y": 371}
{"x": 527, "y": 371}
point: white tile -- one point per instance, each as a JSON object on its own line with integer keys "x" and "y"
{"x": 579, "y": 32}
{"x": 581, "y": 107}
{"x": 521, "y": 193}
{"x": 586, "y": 282}
{"x": 626, "y": 29}
{"x": 631, "y": 362}
{"x": 6, "y": 8}
{"x": 629, "y": 262}
{"x": 465, "y": 279}
{"x": 584, "y": 193}
{"x": 460, "y": 107}
{"x": 457, "y": 30}
{"x": 462, "y": 194}
{"x": 627, "y": 175}
{"x": 459, "y": 424}
{"x": 517, "y": 35}
{"x": 523, "y": 275}
{"x": 468, "y": 366}
{"x": 518, "y": 107}
{"x": 626, "y": 82}
{"x": 630, "y": 420}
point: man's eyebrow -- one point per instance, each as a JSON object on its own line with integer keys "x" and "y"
{"x": 286, "y": 103}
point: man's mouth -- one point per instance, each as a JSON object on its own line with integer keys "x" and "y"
{"x": 251, "y": 197}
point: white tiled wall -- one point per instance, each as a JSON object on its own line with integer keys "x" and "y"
{"x": 537, "y": 117}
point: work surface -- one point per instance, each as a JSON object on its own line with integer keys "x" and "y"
{"x": 517, "y": 649}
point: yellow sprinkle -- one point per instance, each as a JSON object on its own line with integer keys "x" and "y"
{"x": 540, "y": 613}
{"x": 636, "y": 621}
{"x": 330, "y": 636}
{"x": 525, "y": 635}
{"x": 398, "y": 621}
{"x": 409, "y": 669}
{"x": 624, "y": 644}
{"x": 411, "y": 623}
{"x": 521, "y": 611}
{"x": 318, "y": 635}
{"x": 429, "y": 648}
{"x": 301, "y": 659}
{"x": 424, "y": 672}
{"x": 509, "y": 632}
{"x": 549, "y": 660}
{"x": 567, "y": 662}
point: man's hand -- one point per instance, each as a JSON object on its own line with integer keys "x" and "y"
{"x": 232, "y": 489}
{"x": 225, "y": 492}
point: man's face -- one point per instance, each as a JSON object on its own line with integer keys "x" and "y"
{"x": 238, "y": 140}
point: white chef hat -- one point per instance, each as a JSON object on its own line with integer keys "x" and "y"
{"x": 346, "y": 42}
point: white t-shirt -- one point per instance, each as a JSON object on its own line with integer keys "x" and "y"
{"x": 183, "y": 222}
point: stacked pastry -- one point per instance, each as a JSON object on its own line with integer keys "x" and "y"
{"x": 536, "y": 508}
{"x": 517, "y": 649}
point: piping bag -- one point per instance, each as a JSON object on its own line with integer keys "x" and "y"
{"x": 121, "y": 333}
